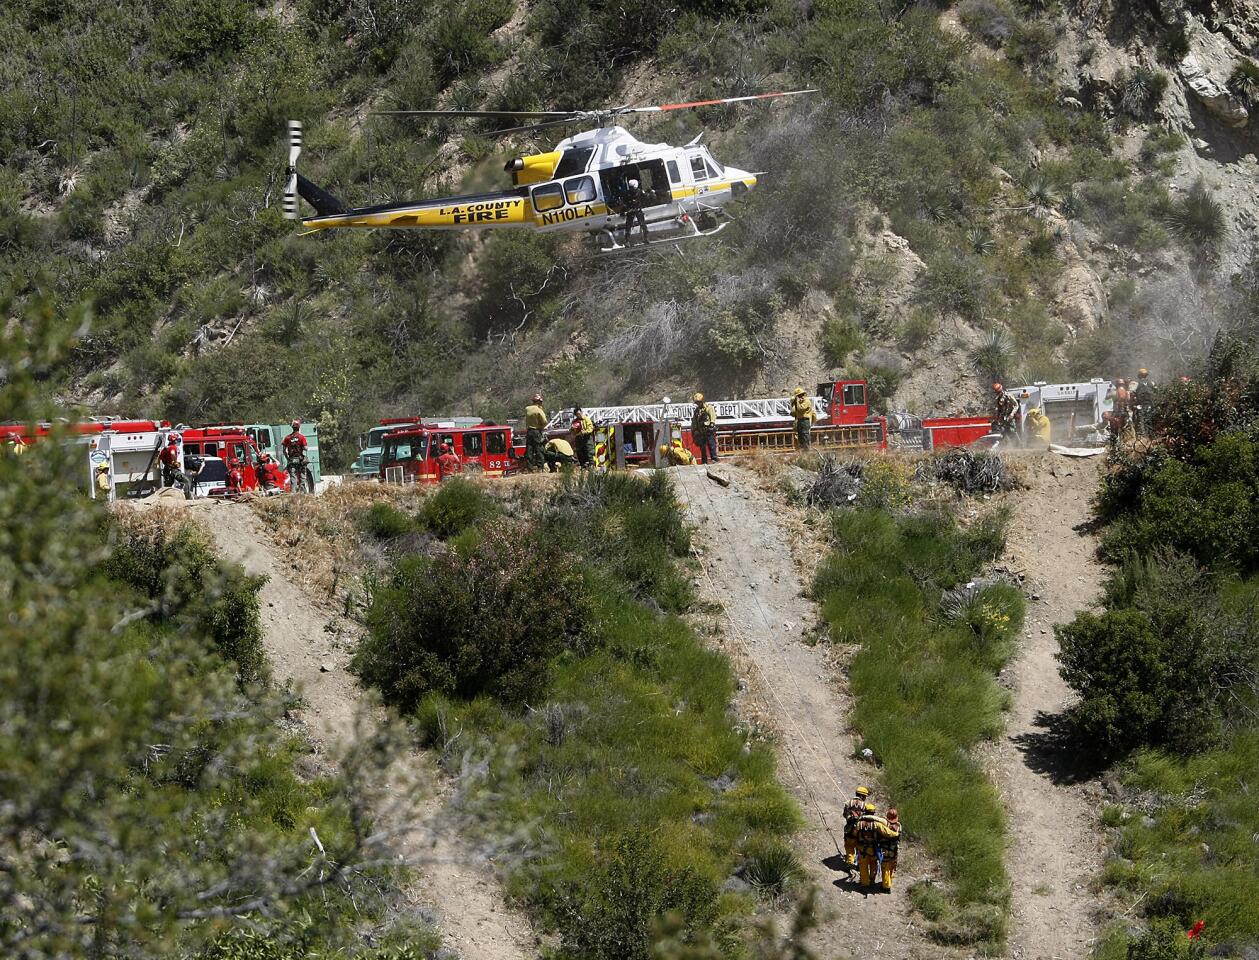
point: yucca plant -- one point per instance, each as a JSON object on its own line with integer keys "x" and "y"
{"x": 771, "y": 866}
{"x": 994, "y": 354}
{"x": 1197, "y": 217}
{"x": 1243, "y": 83}
{"x": 1042, "y": 195}
{"x": 980, "y": 240}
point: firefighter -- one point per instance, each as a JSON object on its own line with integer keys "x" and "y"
{"x": 704, "y": 429}
{"x": 676, "y": 455}
{"x": 1005, "y": 407}
{"x": 294, "y": 446}
{"x": 870, "y": 828}
{"x": 16, "y": 446}
{"x": 172, "y": 469}
{"x": 263, "y": 470}
{"x": 535, "y": 423}
{"x": 631, "y": 201}
{"x": 235, "y": 477}
{"x": 1121, "y": 406}
{"x": 102, "y": 478}
{"x": 802, "y": 411}
{"x": 584, "y": 435}
{"x": 1142, "y": 397}
{"x": 889, "y": 848}
{"x": 1039, "y": 426}
{"x": 557, "y": 453}
{"x": 448, "y": 462}
{"x": 853, "y": 810}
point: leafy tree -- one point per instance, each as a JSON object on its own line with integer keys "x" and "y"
{"x": 146, "y": 802}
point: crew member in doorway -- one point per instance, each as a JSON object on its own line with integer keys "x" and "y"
{"x": 632, "y": 206}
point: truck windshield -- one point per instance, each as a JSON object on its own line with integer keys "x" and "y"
{"x": 401, "y": 449}
{"x": 376, "y": 437}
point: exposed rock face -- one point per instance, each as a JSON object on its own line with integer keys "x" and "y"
{"x": 1212, "y": 93}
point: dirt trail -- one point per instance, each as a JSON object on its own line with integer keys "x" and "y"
{"x": 302, "y": 643}
{"x": 748, "y": 569}
{"x": 1055, "y": 849}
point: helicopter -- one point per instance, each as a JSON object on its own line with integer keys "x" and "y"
{"x": 593, "y": 182}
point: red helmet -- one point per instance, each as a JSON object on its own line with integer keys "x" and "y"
{"x": 997, "y": 388}
{"x": 537, "y": 398}
{"x": 174, "y": 437}
{"x": 297, "y": 424}
{"x": 445, "y": 448}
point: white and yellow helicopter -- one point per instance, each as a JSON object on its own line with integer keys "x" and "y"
{"x": 594, "y": 182}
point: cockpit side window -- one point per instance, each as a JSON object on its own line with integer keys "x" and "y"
{"x": 548, "y": 196}
{"x": 574, "y": 161}
{"x": 698, "y": 170}
{"x": 675, "y": 175}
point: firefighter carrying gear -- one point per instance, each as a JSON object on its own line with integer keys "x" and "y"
{"x": 535, "y": 423}
{"x": 704, "y": 429}
{"x": 889, "y": 848}
{"x": 802, "y": 411}
{"x": 557, "y": 453}
{"x": 853, "y": 811}
{"x": 1039, "y": 424}
{"x": 871, "y": 828}
{"x": 1005, "y": 409}
{"x": 172, "y": 469}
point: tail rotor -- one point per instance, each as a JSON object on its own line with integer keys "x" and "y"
{"x": 290, "y": 188}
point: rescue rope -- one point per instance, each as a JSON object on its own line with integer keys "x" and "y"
{"x": 741, "y": 641}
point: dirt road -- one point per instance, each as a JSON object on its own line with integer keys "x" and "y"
{"x": 302, "y": 642}
{"x": 1055, "y": 849}
{"x": 749, "y": 570}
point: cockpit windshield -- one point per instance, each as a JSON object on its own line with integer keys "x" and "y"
{"x": 720, "y": 171}
{"x": 405, "y": 448}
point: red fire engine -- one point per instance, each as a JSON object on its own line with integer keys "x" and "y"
{"x": 410, "y": 453}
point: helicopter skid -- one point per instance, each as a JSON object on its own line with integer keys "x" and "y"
{"x": 688, "y": 230}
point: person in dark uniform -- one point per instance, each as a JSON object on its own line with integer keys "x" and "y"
{"x": 632, "y": 200}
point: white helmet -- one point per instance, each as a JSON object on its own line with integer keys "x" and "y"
{"x": 632, "y": 183}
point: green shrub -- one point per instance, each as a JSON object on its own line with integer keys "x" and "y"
{"x": 484, "y": 623}
{"x": 613, "y": 914}
{"x": 457, "y": 505}
{"x": 384, "y": 521}
{"x": 1243, "y": 82}
{"x": 840, "y": 338}
{"x": 1165, "y": 940}
{"x": 989, "y": 20}
{"x": 1198, "y": 218}
{"x": 1162, "y": 665}
{"x": 1032, "y": 45}
{"x": 179, "y": 572}
{"x": 771, "y": 866}
{"x": 1139, "y": 91}
{"x": 993, "y": 356}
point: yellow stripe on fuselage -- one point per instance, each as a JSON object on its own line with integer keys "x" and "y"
{"x": 683, "y": 193}
{"x": 508, "y": 212}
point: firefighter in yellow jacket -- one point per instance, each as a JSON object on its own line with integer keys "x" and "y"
{"x": 890, "y": 848}
{"x": 1038, "y": 426}
{"x": 535, "y": 423}
{"x": 853, "y": 811}
{"x": 802, "y": 411}
{"x": 871, "y": 831}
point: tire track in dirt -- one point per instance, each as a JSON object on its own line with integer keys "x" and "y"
{"x": 1055, "y": 848}
{"x": 472, "y": 915}
{"x": 749, "y": 571}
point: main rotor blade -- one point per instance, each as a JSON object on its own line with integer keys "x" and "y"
{"x": 476, "y": 114}
{"x": 662, "y": 108}
{"x": 532, "y": 126}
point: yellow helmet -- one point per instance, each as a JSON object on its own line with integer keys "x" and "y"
{"x": 863, "y": 791}
{"x": 664, "y": 448}
{"x": 799, "y": 392}
{"x": 870, "y": 808}
{"x": 699, "y": 398}
{"x": 1143, "y": 372}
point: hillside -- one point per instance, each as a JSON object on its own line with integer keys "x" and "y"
{"x": 987, "y": 189}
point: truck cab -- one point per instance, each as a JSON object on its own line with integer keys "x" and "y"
{"x": 233, "y": 443}
{"x": 410, "y": 454}
{"x": 370, "y": 447}
{"x": 847, "y": 401}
